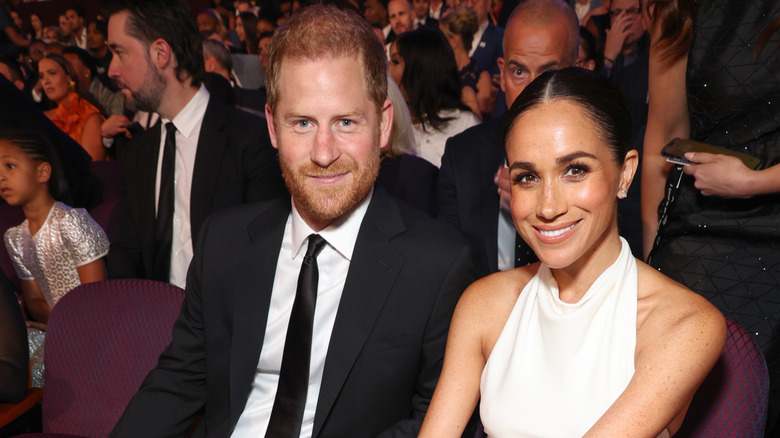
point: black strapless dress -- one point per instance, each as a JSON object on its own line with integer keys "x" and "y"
{"x": 728, "y": 250}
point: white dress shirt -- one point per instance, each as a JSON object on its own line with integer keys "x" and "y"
{"x": 581, "y": 9}
{"x": 83, "y": 43}
{"x": 435, "y": 13}
{"x": 478, "y": 37}
{"x": 188, "y": 123}
{"x": 506, "y": 240}
{"x": 333, "y": 263}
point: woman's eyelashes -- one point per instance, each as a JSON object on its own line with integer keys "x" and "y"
{"x": 571, "y": 171}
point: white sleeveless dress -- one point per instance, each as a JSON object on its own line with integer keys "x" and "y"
{"x": 557, "y": 367}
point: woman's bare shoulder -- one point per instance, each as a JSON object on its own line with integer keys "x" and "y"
{"x": 500, "y": 286}
{"x": 489, "y": 300}
{"x": 666, "y": 310}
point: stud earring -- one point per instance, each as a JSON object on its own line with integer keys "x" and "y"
{"x": 623, "y": 193}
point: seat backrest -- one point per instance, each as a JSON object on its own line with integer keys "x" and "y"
{"x": 109, "y": 174}
{"x": 732, "y": 400}
{"x": 106, "y": 214}
{"x": 102, "y": 339}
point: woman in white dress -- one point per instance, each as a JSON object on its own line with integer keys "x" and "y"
{"x": 589, "y": 341}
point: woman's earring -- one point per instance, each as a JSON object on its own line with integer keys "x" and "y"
{"x": 72, "y": 85}
{"x": 623, "y": 193}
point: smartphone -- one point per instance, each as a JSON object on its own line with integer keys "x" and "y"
{"x": 675, "y": 151}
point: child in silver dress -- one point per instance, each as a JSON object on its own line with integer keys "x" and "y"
{"x": 57, "y": 247}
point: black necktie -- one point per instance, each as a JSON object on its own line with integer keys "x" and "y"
{"x": 163, "y": 232}
{"x": 287, "y": 413}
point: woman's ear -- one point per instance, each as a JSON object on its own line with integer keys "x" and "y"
{"x": 44, "y": 172}
{"x": 630, "y": 164}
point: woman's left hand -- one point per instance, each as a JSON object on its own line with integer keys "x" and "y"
{"x": 720, "y": 175}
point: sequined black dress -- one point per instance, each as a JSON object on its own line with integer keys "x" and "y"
{"x": 728, "y": 250}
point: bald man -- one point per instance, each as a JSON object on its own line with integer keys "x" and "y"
{"x": 541, "y": 35}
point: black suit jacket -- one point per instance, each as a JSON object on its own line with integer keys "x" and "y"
{"x": 489, "y": 49}
{"x": 386, "y": 350}
{"x": 467, "y": 196}
{"x": 234, "y": 164}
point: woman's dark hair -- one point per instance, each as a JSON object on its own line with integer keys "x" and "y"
{"x": 171, "y": 20}
{"x": 600, "y": 100}
{"x": 40, "y": 150}
{"x": 101, "y": 26}
{"x": 249, "y": 20}
{"x": 430, "y": 77}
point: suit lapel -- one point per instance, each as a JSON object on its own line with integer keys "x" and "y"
{"x": 211, "y": 146}
{"x": 492, "y": 158}
{"x": 147, "y": 156}
{"x": 372, "y": 273}
{"x": 255, "y": 277}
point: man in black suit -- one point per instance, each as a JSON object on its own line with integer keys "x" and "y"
{"x": 367, "y": 343}
{"x": 204, "y": 156}
{"x": 541, "y": 35}
{"x": 217, "y": 60}
{"x": 486, "y": 46}
{"x": 421, "y": 16}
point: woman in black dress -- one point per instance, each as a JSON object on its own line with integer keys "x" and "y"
{"x": 715, "y": 78}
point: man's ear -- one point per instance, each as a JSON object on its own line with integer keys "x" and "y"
{"x": 501, "y": 73}
{"x": 386, "y": 124}
{"x": 269, "y": 117}
{"x": 160, "y": 52}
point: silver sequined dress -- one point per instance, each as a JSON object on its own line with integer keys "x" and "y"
{"x": 69, "y": 238}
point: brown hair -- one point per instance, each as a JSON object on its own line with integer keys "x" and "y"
{"x": 462, "y": 22}
{"x": 327, "y": 32}
{"x": 675, "y": 18}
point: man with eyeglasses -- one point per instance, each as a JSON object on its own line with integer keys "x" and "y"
{"x": 626, "y": 52}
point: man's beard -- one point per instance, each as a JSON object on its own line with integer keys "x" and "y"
{"x": 149, "y": 96}
{"x": 327, "y": 203}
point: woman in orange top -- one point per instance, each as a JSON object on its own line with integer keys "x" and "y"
{"x": 76, "y": 116}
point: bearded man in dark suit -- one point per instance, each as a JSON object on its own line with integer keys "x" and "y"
{"x": 324, "y": 314}
{"x": 203, "y": 157}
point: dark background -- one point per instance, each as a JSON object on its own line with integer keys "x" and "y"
{"x": 50, "y": 10}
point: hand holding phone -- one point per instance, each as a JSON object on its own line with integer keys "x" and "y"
{"x": 676, "y": 149}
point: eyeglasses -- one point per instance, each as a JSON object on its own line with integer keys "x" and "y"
{"x": 632, "y": 12}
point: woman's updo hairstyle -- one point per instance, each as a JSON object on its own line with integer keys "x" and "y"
{"x": 597, "y": 96}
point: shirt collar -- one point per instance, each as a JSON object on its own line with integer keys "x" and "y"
{"x": 340, "y": 235}
{"x": 484, "y": 27}
{"x": 191, "y": 115}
